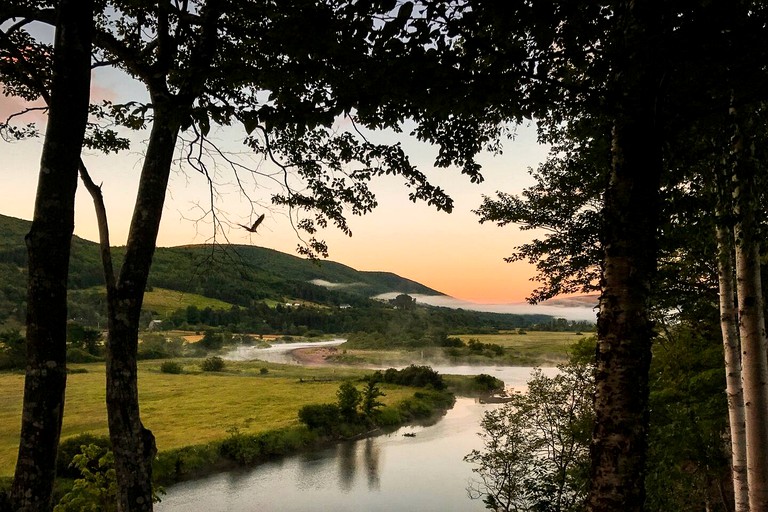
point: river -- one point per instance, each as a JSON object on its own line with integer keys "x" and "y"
{"x": 425, "y": 472}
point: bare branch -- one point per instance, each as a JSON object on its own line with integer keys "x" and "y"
{"x": 101, "y": 218}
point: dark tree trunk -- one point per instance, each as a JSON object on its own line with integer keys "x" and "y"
{"x": 134, "y": 445}
{"x": 624, "y": 329}
{"x": 48, "y": 246}
{"x": 630, "y": 221}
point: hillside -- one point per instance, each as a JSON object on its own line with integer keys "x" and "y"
{"x": 236, "y": 274}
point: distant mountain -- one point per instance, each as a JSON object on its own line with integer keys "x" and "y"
{"x": 238, "y": 274}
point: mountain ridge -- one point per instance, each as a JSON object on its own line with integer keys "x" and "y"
{"x": 235, "y": 273}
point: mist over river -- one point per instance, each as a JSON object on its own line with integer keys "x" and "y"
{"x": 389, "y": 472}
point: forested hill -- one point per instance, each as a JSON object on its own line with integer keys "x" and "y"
{"x": 237, "y": 274}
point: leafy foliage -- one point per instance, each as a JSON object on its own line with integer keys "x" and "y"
{"x": 689, "y": 448}
{"x": 348, "y": 400}
{"x": 369, "y": 403}
{"x": 13, "y": 350}
{"x": 171, "y": 367}
{"x": 535, "y": 448}
{"x": 212, "y": 364}
{"x": 96, "y": 489}
{"x": 416, "y": 376}
{"x": 321, "y": 417}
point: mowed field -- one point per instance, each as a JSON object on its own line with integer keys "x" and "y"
{"x": 542, "y": 346}
{"x": 190, "y": 408}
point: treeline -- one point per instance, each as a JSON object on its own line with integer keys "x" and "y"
{"x": 413, "y": 326}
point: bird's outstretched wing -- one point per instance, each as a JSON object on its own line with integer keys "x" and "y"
{"x": 252, "y": 229}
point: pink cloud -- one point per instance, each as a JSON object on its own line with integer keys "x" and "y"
{"x": 100, "y": 93}
{"x": 10, "y": 105}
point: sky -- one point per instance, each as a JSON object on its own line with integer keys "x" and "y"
{"x": 451, "y": 253}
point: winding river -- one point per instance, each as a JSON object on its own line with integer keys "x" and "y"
{"x": 423, "y": 471}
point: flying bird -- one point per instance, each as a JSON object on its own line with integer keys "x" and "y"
{"x": 252, "y": 229}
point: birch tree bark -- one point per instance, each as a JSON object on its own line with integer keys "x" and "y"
{"x": 754, "y": 359}
{"x": 732, "y": 356}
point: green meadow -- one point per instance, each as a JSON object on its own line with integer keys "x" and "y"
{"x": 534, "y": 348}
{"x": 545, "y": 348}
{"x": 191, "y": 408}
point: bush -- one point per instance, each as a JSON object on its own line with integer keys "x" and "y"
{"x": 320, "y": 417}
{"x": 170, "y": 367}
{"x": 451, "y": 342}
{"x": 415, "y": 376}
{"x": 212, "y": 364}
{"x": 249, "y": 448}
{"x": 487, "y": 382}
{"x": 13, "y": 350}
{"x": 71, "y": 446}
{"x": 78, "y": 355}
{"x": 96, "y": 487}
{"x": 212, "y": 341}
{"x": 389, "y": 417}
{"x": 174, "y": 465}
{"x": 263, "y": 371}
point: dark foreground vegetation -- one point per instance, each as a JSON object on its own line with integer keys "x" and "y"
{"x": 535, "y": 453}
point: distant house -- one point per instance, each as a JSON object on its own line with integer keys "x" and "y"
{"x": 344, "y": 306}
{"x": 155, "y": 325}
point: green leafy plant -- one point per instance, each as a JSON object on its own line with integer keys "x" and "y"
{"x": 212, "y": 364}
{"x": 96, "y": 489}
{"x": 171, "y": 367}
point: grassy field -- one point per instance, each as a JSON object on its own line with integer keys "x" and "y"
{"x": 187, "y": 409}
{"x": 541, "y": 346}
{"x": 164, "y": 301}
{"x": 536, "y": 348}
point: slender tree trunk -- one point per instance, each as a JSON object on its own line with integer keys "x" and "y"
{"x": 754, "y": 359}
{"x": 48, "y": 246}
{"x": 630, "y": 221}
{"x": 732, "y": 356}
{"x": 134, "y": 445}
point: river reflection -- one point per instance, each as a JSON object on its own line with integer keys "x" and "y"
{"x": 391, "y": 472}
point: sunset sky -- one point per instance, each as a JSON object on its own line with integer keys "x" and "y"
{"x": 450, "y": 253}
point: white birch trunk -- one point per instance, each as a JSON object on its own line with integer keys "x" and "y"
{"x": 754, "y": 359}
{"x": 732, "y": 356}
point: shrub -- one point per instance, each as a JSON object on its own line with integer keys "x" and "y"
{"x": 263, "y": 371}
{"x": 451, "y": 342}
{"x": 170, "y": 367}
{"x": 173, "y": 465}
{"x": 96, "y": 489}
{"x": 249, "y": 448}
{"x": 389, "y": 417}
{"x": 13, "y": 350}
{"x": 348, "y": 399}
{"x": 212, "y": 364}
{"x": 416, "y": 376}
{"x": 320, "y": 417}
{"x": 212, "y": 340}
{"x": 72, "y": 446}
{"x": 78, "y": 355}
{"x": 485, "y": 382}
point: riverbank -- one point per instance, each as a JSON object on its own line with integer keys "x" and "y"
{"x": 316, "y": 356}
{"x": 243, "y": 450}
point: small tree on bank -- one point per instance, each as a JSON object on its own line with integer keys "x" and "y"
{"x": 535, "y": 452}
